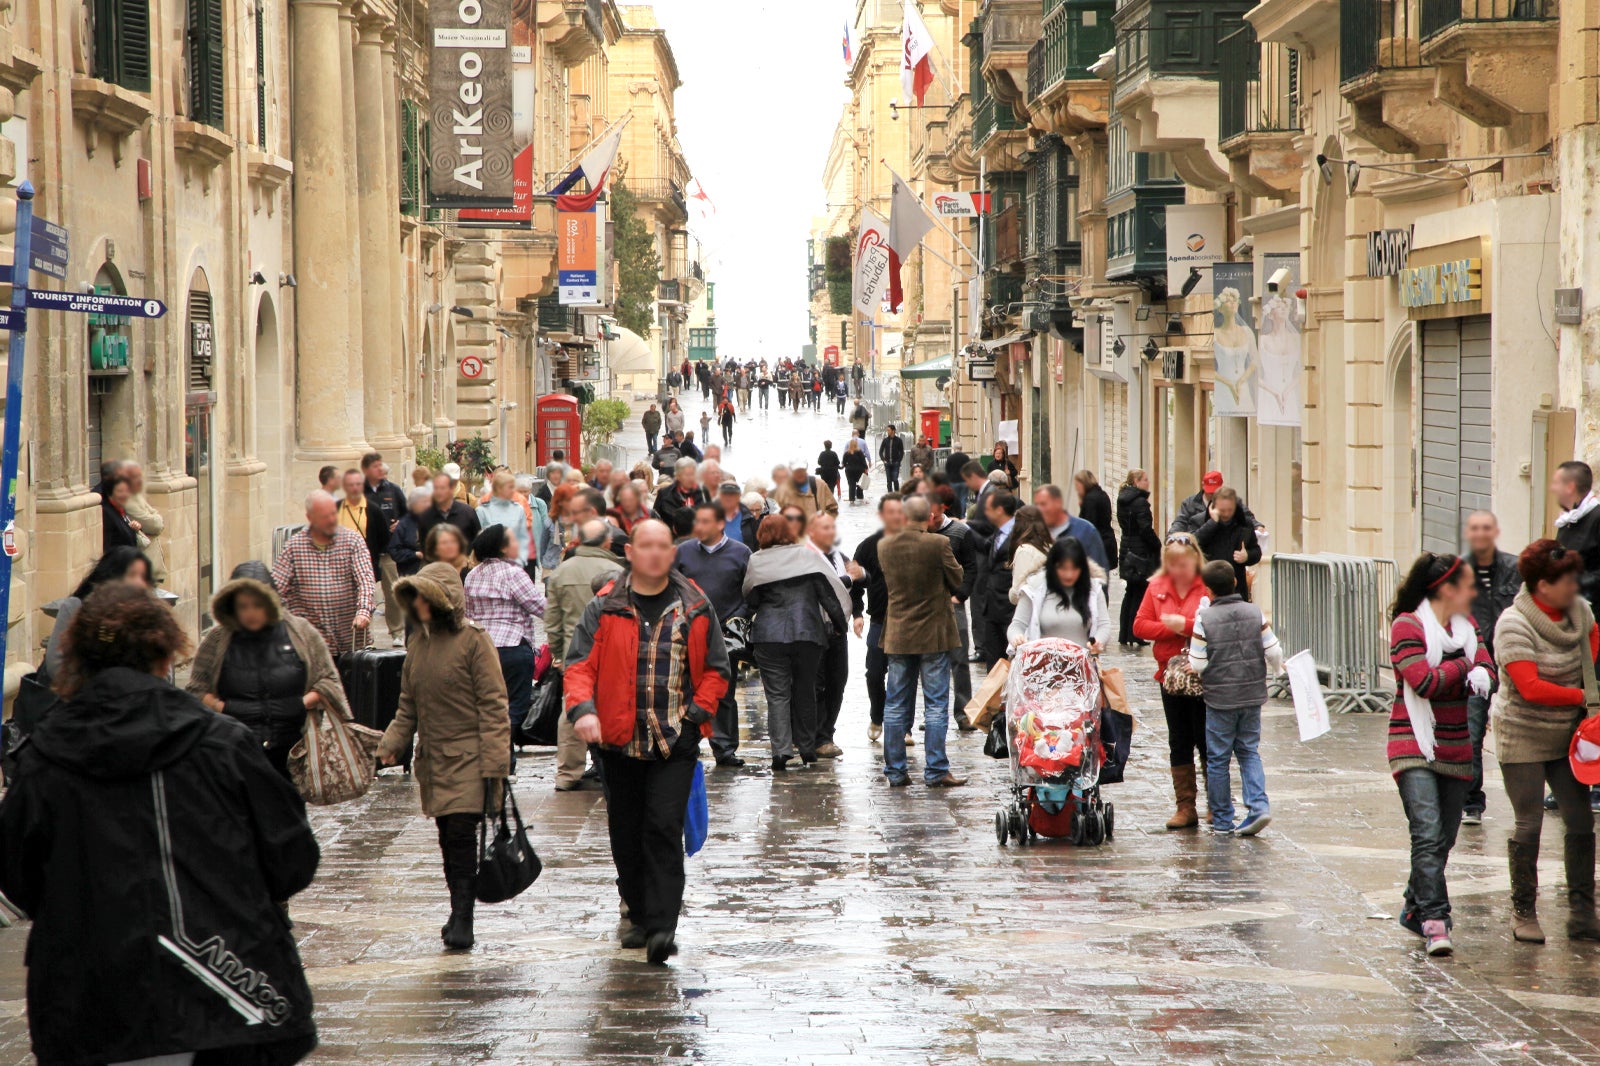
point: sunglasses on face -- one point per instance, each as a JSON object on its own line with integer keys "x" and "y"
{"x": 1180, "y": 538}
{"x": 795, "y": 517}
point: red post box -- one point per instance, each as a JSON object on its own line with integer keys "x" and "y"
{"x": 559, "y": 428}
{"x": 929, "y": 425}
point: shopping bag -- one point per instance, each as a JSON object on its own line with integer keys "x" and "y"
{"x": 1116, "y": 737}
{"x": 995, "y": 745}
{"x": 986, "y": 702}
{"x": 334, "y": 760}
{"x": 544, "y": 713}
{"x": 697, "y": 819}
{"x": 507, "y": 863}
{"x": 1115, "y": 687}
{"x": 1309, "y": 705}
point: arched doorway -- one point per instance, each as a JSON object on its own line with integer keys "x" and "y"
{"x": 264, "y": 418}
{"x": 200, "y": 401}
{"x": 109, "y": 414}
{"x": 1400, "y": 449}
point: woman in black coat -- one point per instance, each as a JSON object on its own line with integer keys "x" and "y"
{"x": 152, "y": 845}
{"x": 856, "y": 463}
{"x": 117, "y": 529}
{"x": 1141, "y": 549}
{"x": 1094, "y": 507}
{"x": 828, "y": 466}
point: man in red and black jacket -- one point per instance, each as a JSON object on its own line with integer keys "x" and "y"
{"x": 645, "y": 670}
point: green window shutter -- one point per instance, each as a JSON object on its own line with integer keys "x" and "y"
{"x": 410, "y": 170}
{"x": 261, "y": 74}
{"x": 205, "y": 61}
{"x": 122, "y": 43}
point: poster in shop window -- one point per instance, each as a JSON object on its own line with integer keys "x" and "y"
{"x": 1234, "y": 352}
{"x": 1279, "y": 400}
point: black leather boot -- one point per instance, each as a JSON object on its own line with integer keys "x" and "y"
{"x": 457, "y": 932}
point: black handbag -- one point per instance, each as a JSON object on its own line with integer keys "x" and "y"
{"x": 34, "y": 700}
{"x": 1116, "y": 737}
{"x": 995, "y": 745}
{"x": 544, "y": 713}
{"x": 507, "y": 863}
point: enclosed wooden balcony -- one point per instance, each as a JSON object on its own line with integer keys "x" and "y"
{"x": 1063, "y": 96}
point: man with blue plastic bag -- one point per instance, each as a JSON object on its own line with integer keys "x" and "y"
{"x": 650, "y": 622}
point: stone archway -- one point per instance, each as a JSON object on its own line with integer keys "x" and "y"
{"x": 1400, "y": 447}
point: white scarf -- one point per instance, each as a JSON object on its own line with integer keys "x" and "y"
{"x": 1566, "y": 518}
{"x": 1461, "y": 637}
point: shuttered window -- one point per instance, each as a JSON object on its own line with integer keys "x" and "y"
{"x": 202, "y": 342}
{"x": 261, "y": 73}
{"x": 204, "y": 40}
{"x": 1457, "y": 439}
{"x": 121, "y": 33}
{"x": 410, "y": 158}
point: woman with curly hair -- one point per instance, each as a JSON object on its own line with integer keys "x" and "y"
{"x": 142, "y": 827}
{"x": 1546, "y": 643}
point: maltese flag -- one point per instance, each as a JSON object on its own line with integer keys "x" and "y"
{"x": 916, "y": 55}
{"x": 908, "y": 224}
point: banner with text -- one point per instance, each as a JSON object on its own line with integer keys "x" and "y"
{"x": 472, "y": 150}
{"x": 872, "y": 263}
{"x": 577, "y": 256}
{"x": 960, "y": 204}
{"x": 1197, "y": 237}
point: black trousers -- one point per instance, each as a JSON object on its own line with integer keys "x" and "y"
{"x": 725, "y": 730}
{"x": 645, "y": 804}
{"x": 650, "y": 442}
{"x": 832, "y": 481}
{"x": 877, "y": 671}
{"x": 831, "y": 680}
{"x": 856, "y": 492}
{"x": 1132, "y": 597}
{"x": 1186, "y": 728}
{"x": 458, "y": 843}
{"x": 989, "y": 634}
{"x": 727, "y": 436}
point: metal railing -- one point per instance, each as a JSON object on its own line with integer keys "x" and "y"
{"x": 1440, "y": 15}
{"x": 1378, "y": 35}
{"x": 1336, "y": 607}
{"x": 990, "y": 116}
{"x": 1258, "y": 88}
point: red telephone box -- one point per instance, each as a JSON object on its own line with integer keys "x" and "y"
{"x": 929, "y": 425}
{"x": 559, "y": 428}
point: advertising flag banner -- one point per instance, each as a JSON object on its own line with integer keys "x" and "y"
{"x": 872, "y": 263}
{"x": 1279, "y": 400}
{"x": 960, "y": 204}
{"x": 471, "y": 112}
{"x": 575, "y": 249}
{"x": 1197, "y": 236}
{"x": 1234, "y": 351}
{"x": 916, "y": 55}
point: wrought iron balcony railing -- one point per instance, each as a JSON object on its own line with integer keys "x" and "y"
{"x": 1440, "y": 15}
{"x": 1377, "y": 35}
{"x": 1258, "y": 86}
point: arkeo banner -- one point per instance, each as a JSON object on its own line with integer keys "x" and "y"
{"x": 470, "y": 99}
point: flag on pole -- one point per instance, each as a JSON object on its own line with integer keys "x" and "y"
{"x": 848, "y": 56}
{"x": 916, "y": 54}
{"x": 908, "y": 224}
{"x": 698, "y": 201}
{"x": 594, "y": 166}
{"x": 872, "y": 263}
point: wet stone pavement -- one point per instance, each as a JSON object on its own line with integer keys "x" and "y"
{"x": 830, "y": 919}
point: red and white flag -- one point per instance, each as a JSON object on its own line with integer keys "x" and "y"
{"x": 960, "y": 204}
{"x": 908, "y": 224}
{"x": 872, "y": 263}
{"x": 916, "y": 54}
{"x": 698, "y": 202}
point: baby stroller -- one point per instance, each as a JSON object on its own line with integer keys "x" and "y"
{"x": 1053, "y": 730}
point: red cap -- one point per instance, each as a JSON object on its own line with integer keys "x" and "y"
{"x": 1584, "y": 754}
{"x": 1212, "y": 481}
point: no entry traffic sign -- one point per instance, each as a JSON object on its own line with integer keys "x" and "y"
{"x": 471, "y": 366}
{"x": 94, "y": 304}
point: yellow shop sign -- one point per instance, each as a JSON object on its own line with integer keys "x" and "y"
{"x": 1443, "y": 282}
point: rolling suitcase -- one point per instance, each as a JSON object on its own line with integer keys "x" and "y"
{"x": 372, "y": 684}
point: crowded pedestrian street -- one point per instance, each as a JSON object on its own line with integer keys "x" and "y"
{"x": 832, "y": 919}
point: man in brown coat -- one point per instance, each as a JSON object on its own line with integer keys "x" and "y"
{"x": 920, "y": 573}
{"x": 810, "y": 494}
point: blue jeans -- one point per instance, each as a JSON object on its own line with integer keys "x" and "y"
{"x": 1433, "y": 806}
{"x": 904, "y": 671}
{"x": 1231, "y": 734}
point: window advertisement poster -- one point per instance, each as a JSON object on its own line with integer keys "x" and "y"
{"x": 1234, "y": 350}
{"x": 1279, "y": 396}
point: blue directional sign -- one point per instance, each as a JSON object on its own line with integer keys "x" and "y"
{"x": 95, "y": 304}
{"x": 10, "y": 319}
{"x": 5, "y": 273}
{"x": 48, "y": 254}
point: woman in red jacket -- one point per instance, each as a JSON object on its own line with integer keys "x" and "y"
{"x": 1166, "y": 619}
{"x": 1439, "y": 659}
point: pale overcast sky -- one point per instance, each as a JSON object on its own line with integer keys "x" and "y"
{"x": 763, "y": 86}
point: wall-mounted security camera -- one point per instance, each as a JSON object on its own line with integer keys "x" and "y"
{"x": 1279, "y": 279}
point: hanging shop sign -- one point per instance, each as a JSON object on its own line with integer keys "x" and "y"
{"x": 472, "y": 147}
{"x": 1197, "y": 236}
{"x": 1387, "y": 252}
{"x": 1444, "y": 282}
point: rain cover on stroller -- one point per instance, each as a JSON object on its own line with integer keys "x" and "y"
{"x": 1053, "y": 710}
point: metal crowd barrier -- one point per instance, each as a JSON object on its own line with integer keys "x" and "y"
{"x": 615, "y": 454}
{"x": 1336, "y": 607}
{"x": 280, "y": 537}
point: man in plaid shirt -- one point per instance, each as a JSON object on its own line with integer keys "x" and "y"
{"x": 324, "y": 575}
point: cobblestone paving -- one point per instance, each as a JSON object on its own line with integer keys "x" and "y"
{"x": 831, "y": 920}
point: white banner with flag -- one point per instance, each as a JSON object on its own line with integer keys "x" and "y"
{"x": 872, "y": 263}
{"x": 960, "y": 204}
{"x": 908, "y": 224}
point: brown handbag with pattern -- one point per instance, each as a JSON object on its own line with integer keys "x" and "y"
{"x": 334, "y": 760}
{"x": 1179, "y": 678}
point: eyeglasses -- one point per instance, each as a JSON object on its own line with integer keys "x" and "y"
{"x": 795, "y": 517}
{"x": 1180, "y": 538}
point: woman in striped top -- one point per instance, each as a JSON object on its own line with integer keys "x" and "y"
{"x": 1439, "y": 660}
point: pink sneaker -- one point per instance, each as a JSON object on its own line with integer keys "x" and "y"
{"x": 1437, "y": 934}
